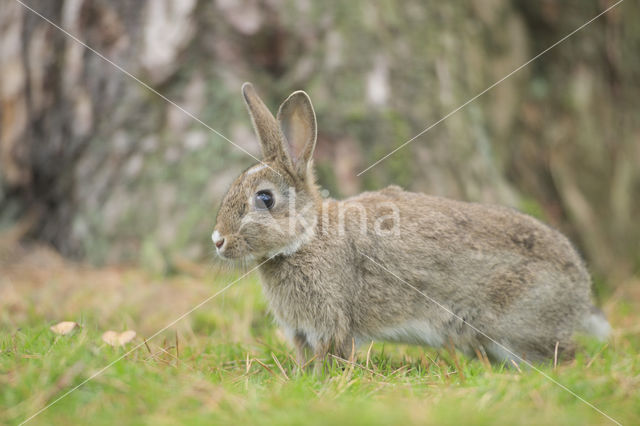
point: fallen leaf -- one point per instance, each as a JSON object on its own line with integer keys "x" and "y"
{"x": 110, "y": 337}
{"x": 126, "y": 336}
{"x": 64, "y": 327}
{"x": 118, "y": 339}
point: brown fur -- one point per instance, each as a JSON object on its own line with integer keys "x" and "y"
{"x": 510, "y": 276}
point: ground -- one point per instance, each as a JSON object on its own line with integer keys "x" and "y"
{"x": 227, "y": 363}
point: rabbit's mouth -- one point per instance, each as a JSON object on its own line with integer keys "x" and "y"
{"x": 238, "y": 249}
{"x": 242, "y": 251}
{"x": 232, "y": 247}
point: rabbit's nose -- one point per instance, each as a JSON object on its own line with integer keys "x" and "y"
{"x": 217, "y": 239}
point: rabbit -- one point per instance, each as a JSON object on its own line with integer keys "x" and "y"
{"x": 393, "y": 265}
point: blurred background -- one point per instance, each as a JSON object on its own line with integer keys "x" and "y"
{"x": 106, "y": 172}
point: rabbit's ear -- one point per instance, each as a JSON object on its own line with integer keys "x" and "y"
{"x": 265, "y": 125}
{"x": 298, "y": 124}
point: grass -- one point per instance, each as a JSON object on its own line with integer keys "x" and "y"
{"x": 227, "y": 363}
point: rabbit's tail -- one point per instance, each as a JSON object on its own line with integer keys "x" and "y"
{"x": 595, "y": 323}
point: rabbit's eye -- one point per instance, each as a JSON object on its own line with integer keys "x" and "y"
{"x": 264, "y": 200}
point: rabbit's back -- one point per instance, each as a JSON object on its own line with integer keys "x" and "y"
{"x": 505, "y": 272}
{"x": 455, "y": 233}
